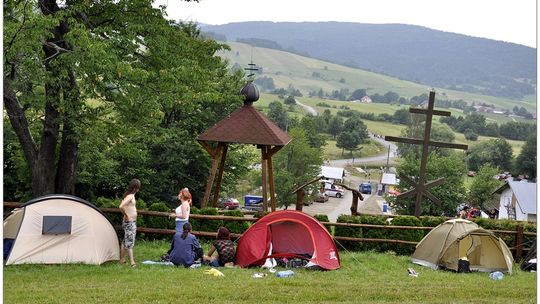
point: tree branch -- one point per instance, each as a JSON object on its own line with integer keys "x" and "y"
{"x": 20, "y": 124}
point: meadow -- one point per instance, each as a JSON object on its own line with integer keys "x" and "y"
{"x": 287, "y": 68}
{"x": 364, "y": 277}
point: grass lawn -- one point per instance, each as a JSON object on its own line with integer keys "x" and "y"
{"x": 368, "y": 149}
{"x": 363, "y": 278}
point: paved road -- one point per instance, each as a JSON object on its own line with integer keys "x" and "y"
{"x": 309, "y": 109}
{"x": 381, "y": 158}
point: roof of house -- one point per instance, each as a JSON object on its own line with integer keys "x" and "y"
{"x": 246, "y": 125}
{"x": 525, "y": 195}
{"x": 389, "y": 179}
{"x": 332, "y": 172}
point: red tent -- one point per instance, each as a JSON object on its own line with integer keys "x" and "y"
{"x": 291, "y": 234}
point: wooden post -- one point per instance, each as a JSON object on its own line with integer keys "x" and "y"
{"x": 271, "y": 152}
{"x": 224, "y": 148}
{"x": 354, "y": 205}
{"x": 263, "y": 177}
{"x": 518, "y": 243}
{"x": 271, "y": 182}
{"x": 300, "y": 199}
{"x": 215, "y": 155}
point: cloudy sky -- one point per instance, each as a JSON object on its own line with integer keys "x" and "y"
{"x": 506, "y": 20}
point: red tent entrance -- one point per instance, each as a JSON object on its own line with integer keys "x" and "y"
{"x": 290, "y": 234}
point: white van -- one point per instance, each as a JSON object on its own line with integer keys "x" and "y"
{"x": 333, "y": 190}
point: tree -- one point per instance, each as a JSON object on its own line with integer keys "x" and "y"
{"x": 357, "y": 128}
{"x": 278, "y": 115}
{"x": 77, "y": 70}
{"x": 347, "y": 140}
{"x": 312, "y": 125}
{"x": 335, "y": 125}
{"x": 494, "y": 152}
{"x": 450, "y": 193}
{"x": 402, "y": 117}
{"x": 295, "y": 164}
{"x": 526, "y": 160}
{"x": 482, "y": 186}
{"x": 358, "y": 94}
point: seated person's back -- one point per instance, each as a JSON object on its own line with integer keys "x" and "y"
{"x": 186, "y": 248}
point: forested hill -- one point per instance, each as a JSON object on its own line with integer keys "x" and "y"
{"x": 408, "y": 52}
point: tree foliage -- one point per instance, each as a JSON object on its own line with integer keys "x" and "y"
{"x": 451, "y": 192}
{"x": 98, "y": 93}
{"x": 482, "y": 187}
{"x": 294, "y": 165}
{"x": 526, "y": 160}
{"x": 494, "y": 152}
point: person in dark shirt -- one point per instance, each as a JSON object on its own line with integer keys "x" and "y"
{"x": 186, "y": 248}
{"x": 224, "y": 248}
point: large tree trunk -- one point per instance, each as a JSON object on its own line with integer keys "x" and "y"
{"x": 47, "y": 177}
{"x": 66, "y": 175}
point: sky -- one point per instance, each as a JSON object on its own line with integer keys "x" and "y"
{"x": 506, "y": 20}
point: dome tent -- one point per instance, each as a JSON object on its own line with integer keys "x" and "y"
{"x": 59, "y": 229}
{"x": 289, "y": 234}
{"x": 457, "y": 239}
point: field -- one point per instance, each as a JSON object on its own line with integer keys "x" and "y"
{"x": 288, "y": 68}
{"x": 378, "y": 127}
{"x": 364, "y": 277}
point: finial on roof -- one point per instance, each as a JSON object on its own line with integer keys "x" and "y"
{"x": 250, "y": 92}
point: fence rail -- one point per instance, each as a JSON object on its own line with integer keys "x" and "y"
{"x": 518, "y": 247}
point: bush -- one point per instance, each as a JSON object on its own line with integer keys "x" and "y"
{"x": 209, "y": 225}
{"x": 158, "y": 221}
{"x": 114, "y": 218}
{"x": 355, "y": 232}
{"x": 321, "y": 217}
{"x": 236, "y": 227}
{"x": 406, "y": 234}
{"x": 374, "y": 233}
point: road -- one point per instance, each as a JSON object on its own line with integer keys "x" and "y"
{"x": 381, "y": 158}
{"x": 309, "y": 109}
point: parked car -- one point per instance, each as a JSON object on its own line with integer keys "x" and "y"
{"x": 322, "y": 197}
{"x": 365, "y": 188}
{"x": 335, "y": 191}
{"x": 229, "y": 203}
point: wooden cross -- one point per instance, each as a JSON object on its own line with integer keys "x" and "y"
{"x": 420, "y": 187}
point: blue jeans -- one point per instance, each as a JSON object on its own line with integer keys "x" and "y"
{"x": 215, "y": 263}
{"x": 180, "y": 226}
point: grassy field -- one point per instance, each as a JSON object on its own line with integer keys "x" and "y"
{"x": 287, "y": 68}
{"x": 363, "y": 278}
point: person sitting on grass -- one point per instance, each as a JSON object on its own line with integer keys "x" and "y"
{"x": 224, "y": 248}
{"x": 186, "y": 249}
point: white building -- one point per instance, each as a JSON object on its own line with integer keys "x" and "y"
{"x": 517, "y": 201}
{"x": 333, "y": 174}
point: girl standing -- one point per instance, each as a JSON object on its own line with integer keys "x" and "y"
{"x": 181, "y": 214}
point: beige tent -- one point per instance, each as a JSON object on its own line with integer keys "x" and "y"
{"x": 59, "y": 229}
{"x": 456, "y": 239}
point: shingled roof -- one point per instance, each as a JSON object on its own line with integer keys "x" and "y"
{"x": 246, "y": 125}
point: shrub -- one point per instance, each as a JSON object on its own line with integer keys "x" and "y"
{"x": 406, "y": 234}
{"x": 236, "y": 227}
{"x": 355, "y": 232}
{"x": 321, "y": 217}
{"x": 209, "y": 225}
{"x": 374, "y": 233}
{"x": 158, "y": 221}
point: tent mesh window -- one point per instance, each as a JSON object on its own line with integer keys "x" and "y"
{"x": 56, "y": 225}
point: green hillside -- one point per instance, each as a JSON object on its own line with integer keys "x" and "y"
{"x": 290, "y": 69}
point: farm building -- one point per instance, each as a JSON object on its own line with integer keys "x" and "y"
{"x": 517, "y": 201}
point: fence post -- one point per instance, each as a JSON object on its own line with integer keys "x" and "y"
{"x": 518, "y": 242}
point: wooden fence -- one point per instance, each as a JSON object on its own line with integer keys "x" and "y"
{"x": 518, "y": 249}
